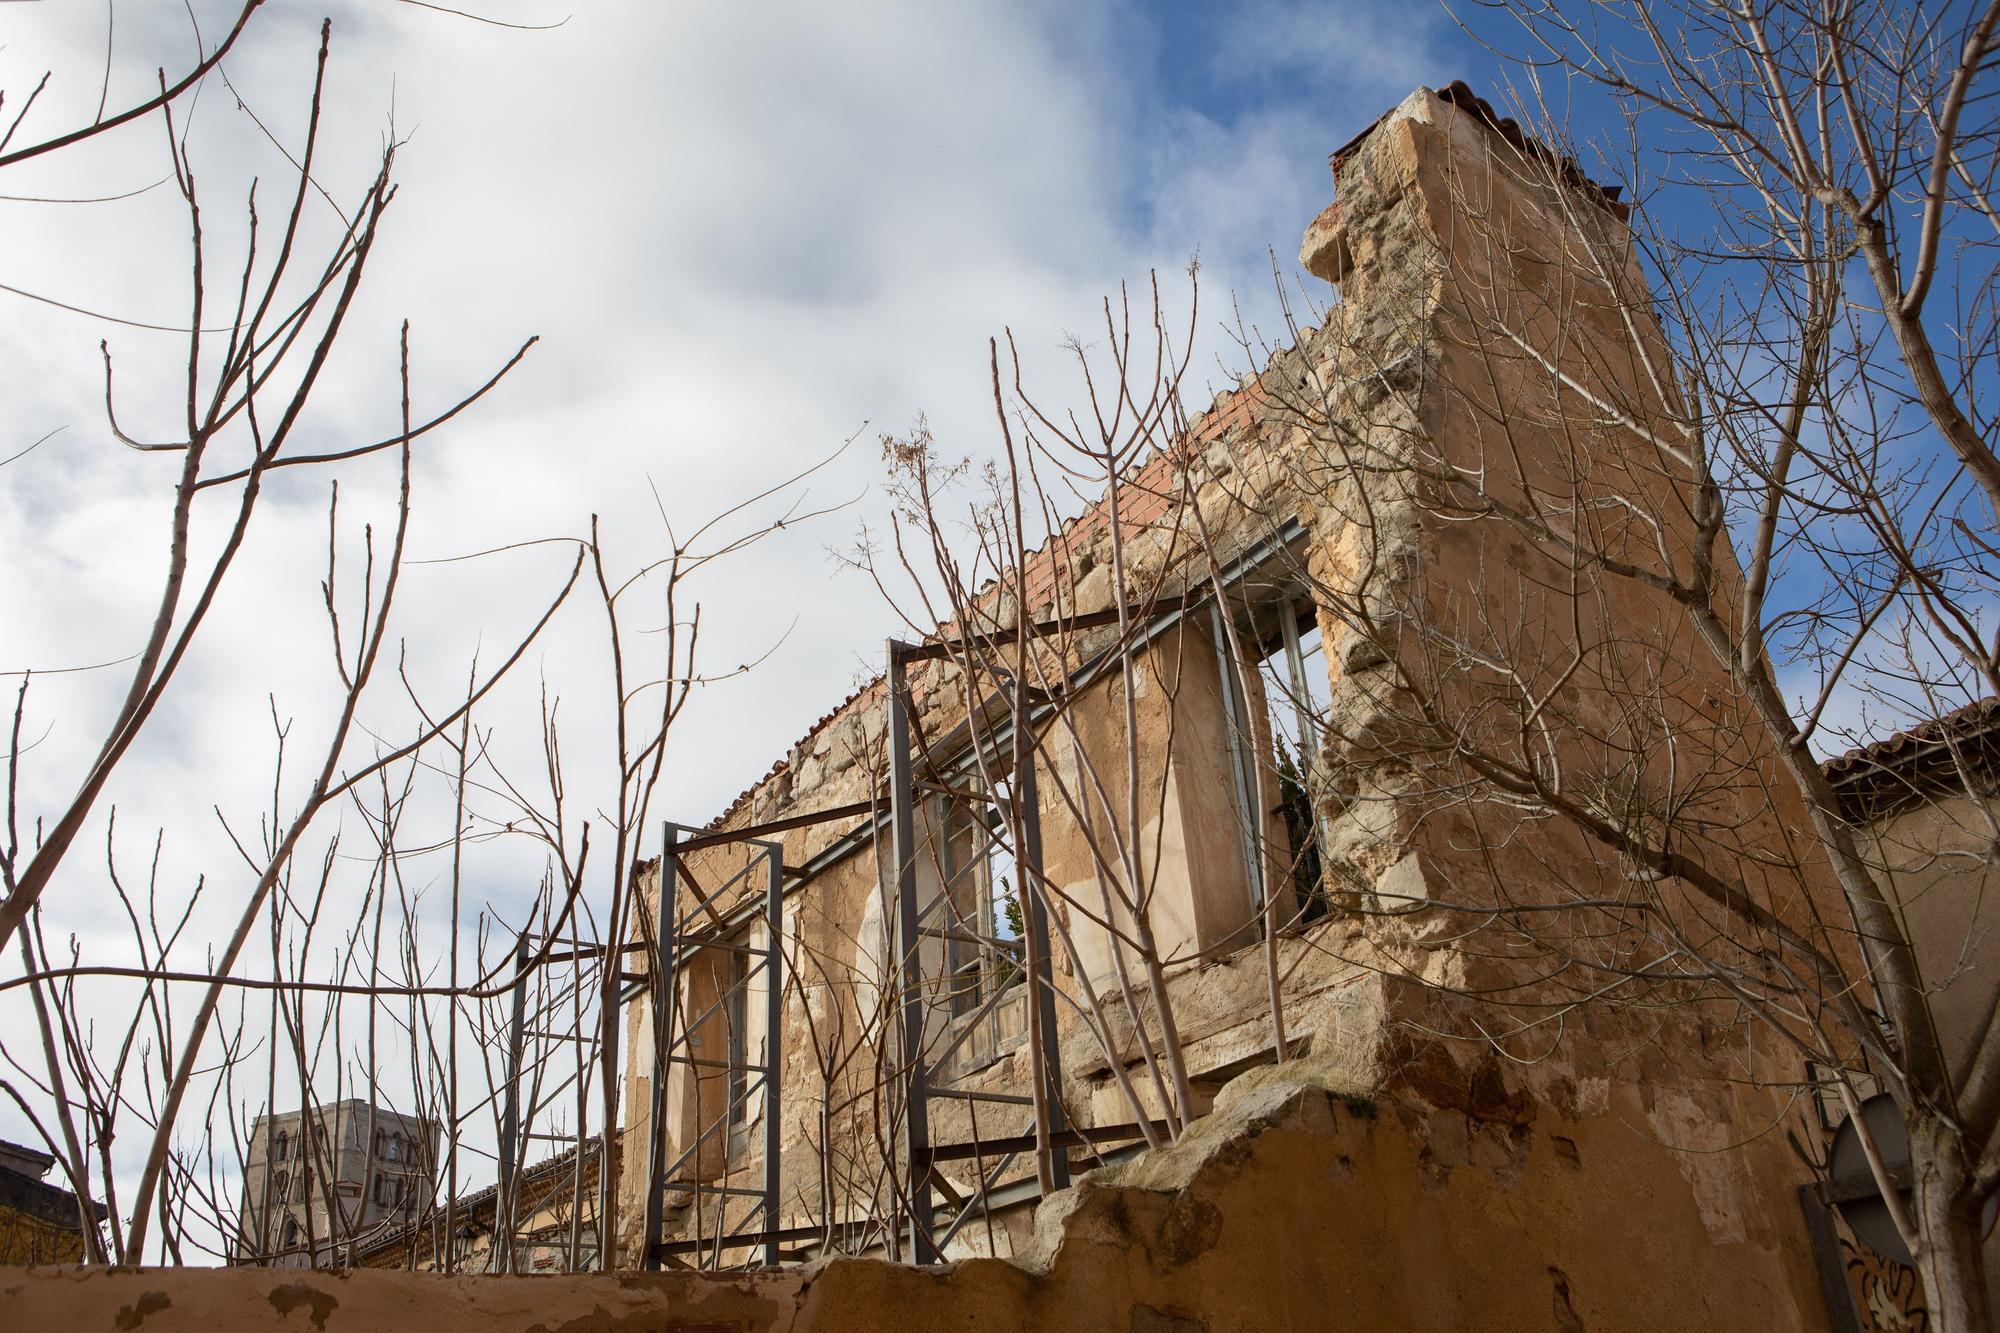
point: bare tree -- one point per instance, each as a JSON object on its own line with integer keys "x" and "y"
{"x": 244, "y": 407}
{"x": 980, "y": 555}
{"x": 1641, "y": 502}
{"x": 1637, "y": 512}
{"x": 333, "y": 980}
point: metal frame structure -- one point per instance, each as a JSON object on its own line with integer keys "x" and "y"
{"x": 917, "y": 1068}
{"x": 917, "y": 1082}
{"x": 673, "y": 946}
{"x": 511, "y": 1164}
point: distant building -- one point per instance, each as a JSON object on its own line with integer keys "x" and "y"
{"x": 39, "y": 1222}
{"x": 555, "y": 1230}
{"x": 320, "y": 1182}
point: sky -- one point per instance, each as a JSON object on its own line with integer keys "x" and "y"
{"x": 742, "y": 236}
{"x": 745, "y": 237}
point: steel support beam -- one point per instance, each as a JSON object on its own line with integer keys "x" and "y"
{"x": 756, "y": 832}
{"x": 774, "y": 978}
{"x": 510, "y": 1118}
{"x": 1028, "y": 800}
{"x": 664, "y": 983}
{"x": 909, "y": 942}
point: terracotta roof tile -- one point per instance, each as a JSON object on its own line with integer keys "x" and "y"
{"x": 745, "y": 796}
{"x": 1906, "y": 746}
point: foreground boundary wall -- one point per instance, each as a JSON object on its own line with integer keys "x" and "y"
{"x": 1290, "y": 1207}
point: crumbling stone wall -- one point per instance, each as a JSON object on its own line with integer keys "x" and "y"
{"x": 1497, "y": 355}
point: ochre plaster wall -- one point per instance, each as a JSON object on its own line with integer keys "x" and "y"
{"x": 1939, "y": 857}
{"x": 1290, "y": 1207}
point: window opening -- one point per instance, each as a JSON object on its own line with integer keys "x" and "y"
{"x": 1291, "y": 669}
{"x": 962, "y": 892}
{"x": 984, "y": 937}
{"x": 1297, "y": 693}
{"x": 1003, "y": 902}
{"x": 984, "y": 933}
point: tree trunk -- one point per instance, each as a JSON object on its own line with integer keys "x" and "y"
{"x": 1949, "y": 1259}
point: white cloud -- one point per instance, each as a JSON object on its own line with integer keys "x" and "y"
{"x": 744, "y": 233}
{"x": 1377, "y": 46}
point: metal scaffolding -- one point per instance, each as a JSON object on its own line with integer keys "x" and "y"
{"x": 675, "y": 1038}
{"x": 926, "y": 1244}
{"x": 676, "y": 945}
{"x": 916, "y": 1070}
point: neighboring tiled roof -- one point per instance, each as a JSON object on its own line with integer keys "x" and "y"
{"x": 39, "y": 1199}
{"x": 1959, "y": 723}
{"x": 9, "y": 1148}
{"x": 1918, "y": 759}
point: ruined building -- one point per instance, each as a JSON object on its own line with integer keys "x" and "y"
{"x": 1220, "y": 922}
{"x": 1196, "y": 799}
{"x": 552, "y": 1226}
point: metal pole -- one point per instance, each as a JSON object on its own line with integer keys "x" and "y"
{"x": 611, "y": 1020}
{"x": 774, "y": 934}
{"x": 1295, "y": 667}
{"x": 582, "y": 1111}
{"x": 510, "y": 1119}
{"x": 663, "y": 986}
{"x": 916, "y": 1113}
{"x": 1028, "y": 801}
{"x": 1238, "y": 715}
